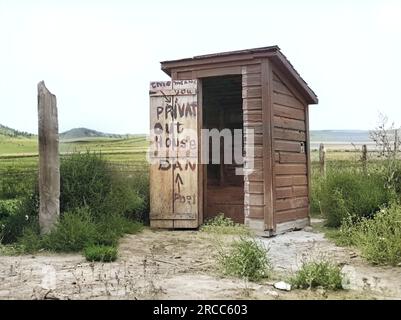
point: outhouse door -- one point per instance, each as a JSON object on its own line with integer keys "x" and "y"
{"x": 173, "y": 154}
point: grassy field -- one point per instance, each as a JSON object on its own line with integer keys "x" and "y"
{"x": 19, "y": 158}
{"x": 21, "y": 154}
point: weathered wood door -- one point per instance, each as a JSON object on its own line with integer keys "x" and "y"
{"x": 174, "y": 154}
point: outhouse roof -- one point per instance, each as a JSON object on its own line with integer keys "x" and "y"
{"x": 273, "y": 53}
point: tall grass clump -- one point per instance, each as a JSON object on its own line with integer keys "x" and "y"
{"x": 379, "y": 238}
{"x": 85, "y": 181}
{"x": 74, "y": 232}
{"x": 314, "y": 274}
{"x": 316, "y": 190}
{"x": 100, "y": 253}
{"x": 124, "y": 199}
{"x": 351, "y": 193}
{"x": 246, "y": 258}
{"x": 24, "y": 214}
{"x": 110, "y": 228}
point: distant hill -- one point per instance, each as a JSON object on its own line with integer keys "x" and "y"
{"x": 331, "y": 138}
{"x": 82, "y": 133}
{"x": 9, "y": 132}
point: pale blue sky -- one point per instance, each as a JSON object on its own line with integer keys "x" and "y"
{"x": 99, "y": 56}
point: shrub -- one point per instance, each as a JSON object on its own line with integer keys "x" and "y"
{"x": 222, "y": 225}
{"x": 247, "y": 258}
{"x": 8, "y": 208}
{"x": 140, "y": 183}
{"x": 100, "y": 253}
{"x": 75, "y": 231}
{"x": 315, "y": 274}
{"x": 24, "y": 215}
{"x": 111, "y": 227}
{"x": 30, "y": 241}
{"x": 86, "y": 181}
{"x": 317, "y": 182}
{"x": 123, "y": 199}
{"x": 352, "y": 193}
{"x": 379, "y": 239}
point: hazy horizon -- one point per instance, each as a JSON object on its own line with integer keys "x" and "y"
{"x": 144, "y": 133}
{"x": 98, "y": 57}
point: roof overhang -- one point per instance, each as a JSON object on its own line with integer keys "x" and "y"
{"x": 273, "y": 53}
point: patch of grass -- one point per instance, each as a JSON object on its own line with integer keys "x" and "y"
{"x": 353, "y": 194}
{"x": 316, "y": 190}
{"x": 24, "y": 215}
{"x": 110, "y": 228}
{"x": 124, "y": 198}
{"x": 75, "y": 231}
{"x": 379, "y": 238}
{"x": 100, "y": 253}
{"x": 30, "y": 241}
{"x": 86, "y": 181}
{"x": 314, "y": 274}
{"x": 222, "y": 225}
{"x": 246, "y": 258}
{"x": 8, "y": 207}
{"x": 11, "y": 250}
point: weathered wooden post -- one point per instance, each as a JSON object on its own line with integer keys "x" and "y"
{"x": 364, "y": 157}
{"x": 49, "y": 162}
{"x": 322, "y": 159}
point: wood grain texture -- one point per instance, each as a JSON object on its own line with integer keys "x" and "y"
{"x": 292, "y": 182}
{"x": 286, "y": 123}
{"x": 268, "y": 144}
{"x": 291, "y": 169}
{"x": 292, "y": 214}
{"x": 288, "y": 112}
{"x": 292, "y": 135}
{"x": 289, "y": 146}
{"x": 251, "y": 92}
{"x": 252, "y": 104}
{"x": 49, "y": 160}
{"x": 291, "y": 203}
{"x": 289, "y": 157}
{"x": 174, "y": 184}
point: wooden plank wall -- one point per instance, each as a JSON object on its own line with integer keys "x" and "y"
{"x": 290, "y": 139}
{"x": 252, "y": 108}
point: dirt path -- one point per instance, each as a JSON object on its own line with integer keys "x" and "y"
{"x": 181, "y": 265}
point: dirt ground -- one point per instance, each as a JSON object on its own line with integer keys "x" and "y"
{"x": 181, "y": 265}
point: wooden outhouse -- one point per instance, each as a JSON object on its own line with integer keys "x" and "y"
{"x": 257, "y": 91}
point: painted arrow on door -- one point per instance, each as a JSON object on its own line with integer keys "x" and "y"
{"x": 168, "y": 99}
{"x": 179, "y": 182}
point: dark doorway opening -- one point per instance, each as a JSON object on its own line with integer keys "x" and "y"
{"x": 222, "y": 109}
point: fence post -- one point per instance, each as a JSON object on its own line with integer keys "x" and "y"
{"x": 364, "y": 157}
{"x": 49, "y": 162}
{"x": 322, "y": 159}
